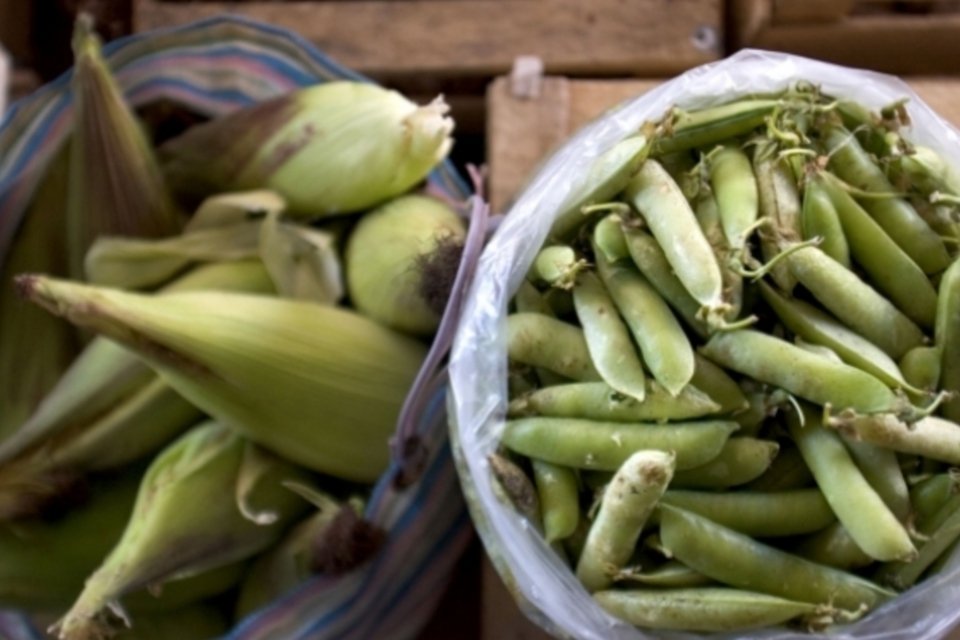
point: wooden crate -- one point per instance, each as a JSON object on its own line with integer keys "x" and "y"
{"x": 521, "y": 131}
{"x": 906, "y": 37}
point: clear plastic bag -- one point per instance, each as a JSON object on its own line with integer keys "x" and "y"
{"x": 213, "y": 67}
{"x": 542, "y": 585}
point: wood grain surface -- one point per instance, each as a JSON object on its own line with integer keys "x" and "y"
{"x": 600, "y": 37}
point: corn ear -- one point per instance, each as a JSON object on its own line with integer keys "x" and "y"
{"x": 116, "y": 187}
{"x": 34, "y": 350}
{"x": 133, "y": 263}
{"x": 109, "y": 409}
{"x": 401, "y": 261}
{"x": 333, "y": 148}
{"x": 320, "y": 385}
{"x": 187, "y": 520}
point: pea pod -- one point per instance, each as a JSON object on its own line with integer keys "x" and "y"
{"x": 815, "y": 326}
{"x": 741, "y": 460}
{"x": 559, "y": 503}
{"x": 665, "y": 348}
{"x": 654, "y": 194}
{"x": 744, "y": 563}
{"x": 863, "y": 513}
{"x": 819, "y": 219}
{"x": 735, "y": 188}
{"x": 809, "y": 376}
{"x": 599, "y": 401}
{"x": 889, "y": 267}
{"x": 715, "y": 382}
{"x": 780, "y": 206}
{"x": 700, "y": 609}
{"x": 558, "y": 265}
{"x": 585, "y": 444}
{"x": 671, "y": 574}
{"x": 708, "y": 217}
{"x": 608, "y": 339}
{"x": 607, "y": 176}
{"x": 608, "y": 239}
{"x": 881, "y": 469}
{"x": 931, "y": 437}
{"x": 854, "y": 302}
{"x": 758, "y": 514}
{"x": 542, "y": 341}
{"x": 853, "y": 165}
{"x": 921, "y": 367}
{"x": 834, "y": 547}
{"x": 626, "y": 504}
{"x": 945, "y": 530}
{"x": 652, "y": 263}
{"x": 947, "y": 338}
{"x": 704, "y": 127}
{"x": 787, "y": 471}
{"x": 928, "y": 496}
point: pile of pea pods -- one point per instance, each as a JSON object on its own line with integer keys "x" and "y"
{"x": 734, "y": 366}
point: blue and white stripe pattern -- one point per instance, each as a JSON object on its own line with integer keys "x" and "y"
{"x": 213, "y": 67}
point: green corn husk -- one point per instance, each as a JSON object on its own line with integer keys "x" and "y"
{"x": 401, "y": 260}
{"x": 333, "y": 148}
{"x": 320, "y": 385}
{"x": 197, "y": 622}
{"x": 43, "y": 564}
{"x": 294, "y": 559}
{"x": 108, "y": 409}
{"x": 135, "y": 263}
{"x": 34, "y": 350}
{"x": 116, "y": 187}
{"x": 302, "y": 261}
{"x": 208, "y": 500}
{"x": 226, "y": 209}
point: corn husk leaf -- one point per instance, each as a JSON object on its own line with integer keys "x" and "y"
{"x": 133, "y": 263}
{"x": 116, "y": 187}
{"x": 302, "y": 261}
{"x": 320, "y": 385}
{"x": 34, "y": 350}
{"x": 184, "y": 522}
{"x": 333, "y": 148}
{"x": 227, "y": 209}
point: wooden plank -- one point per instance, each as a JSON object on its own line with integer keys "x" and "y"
{"x": 482, "y": 37}
{"x": 15, "y": 29}
{"x": 521, "y": 133}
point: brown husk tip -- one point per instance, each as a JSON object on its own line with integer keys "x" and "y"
{"x": 438, "y": 271}
{"x": 346, "y": 543}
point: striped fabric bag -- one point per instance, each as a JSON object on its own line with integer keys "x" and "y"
{"x": 213, "y": 67}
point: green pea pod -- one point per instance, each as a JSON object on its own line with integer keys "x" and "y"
{"x": 670, "y": 574}
{"x": 715, "y": 382}
{"x": 809, "y": 376}
{"x": 666, "y": 350}
{"x": 559, "y": 502}
{"x": 947, "y": 338}
{"x": 599, "y": 401}
{"x": 758, "y": 514}
{"x": 887, "y": 265}
{"x": 833, "y": 547}
{"x": 881, "y": 469}
{"x": 854, "y": 302}
{"x": 700, "y": 609}
{"x": 780, "y": 205}
{"x": 624, "y": 508}
{"x": 870, "y": 522}
{"x": 815, "y": 326}
{"x": 928, "y": 496}
{"x": 654, "y": 194}
{"x": 652, "y": 263}
{"x": 854, "y": 166}
{"x": 607, "y": 176}
{"x": 741, "y": 460}
{"x": 542, "y": 341}
{"x": 735, "y": 187}
{"x": 608, "y": 338}
{"x": 704, "y": 127}
{"x": 708, "y": 216}
{"x": 744, "y": 563}
{"x": 585, "y": 444}
{"x": 608, "y": 239}
{"x": 558, "y": 266}
{"x": 819, "y": 219}
{"x": 945, "y": 530}
{"x": 921, "y": 367}
{"x": 931, "y": 437}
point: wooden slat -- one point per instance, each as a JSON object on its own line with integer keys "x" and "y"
{"x": 601, "y": 37}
